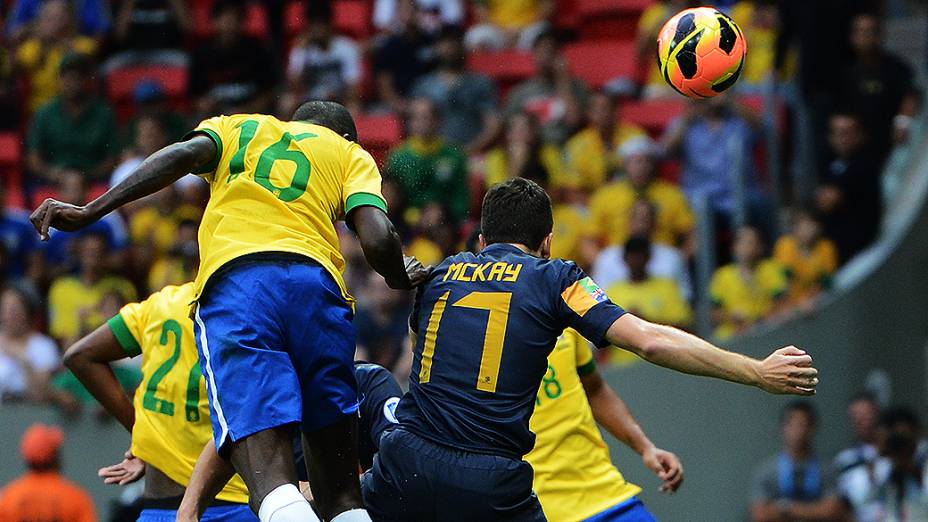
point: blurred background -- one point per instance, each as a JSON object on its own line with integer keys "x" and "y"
{"x": 789, "y": 210}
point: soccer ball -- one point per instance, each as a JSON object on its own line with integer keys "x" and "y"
{"x": 700, "y": 52}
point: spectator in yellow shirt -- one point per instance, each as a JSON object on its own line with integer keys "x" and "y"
{"x": 748, "y": 290}
{"x": 181, "y": 262}
{"x": 610, "y": 205}
{"x": 435, "y": 236}
{"x": 593, "y": 153}
{"x": 503, "y": 24}
{"x": 71, "y": 298}
{"x": 809, "y": 259}
{"x": 571, "y": 221}
{"x": 649, "y": 24}
{"x": 523, "y": 155}
{"x": 761, "y": 20}
{"x": 40, "y": 56}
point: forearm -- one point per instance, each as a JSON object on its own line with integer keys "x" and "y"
{"x": 381, "y": 245}
{"x": 210, "y": 474}
{"x": 102, "y": 383}
{"x": 766, "y": 512}
{"x": 612, "y": 414}
{"x": 822, "y": 511}
{"x": 675, "y": 349}
{"x": 157, "y": 171}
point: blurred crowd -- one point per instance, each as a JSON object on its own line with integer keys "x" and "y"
{"x": 89, "y": 88}
{"x": 881, "y": 477}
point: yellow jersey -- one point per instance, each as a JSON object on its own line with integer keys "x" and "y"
{"x": 590, "y": 160}
{"x": 751, "y": 297}
{"x": 610, "y": 209}
{"x": 172, "y": 423}
{"x": 69, "y": 298}
{"x": 279, "y": 186}
{"x": 808, "y": 272}
{"x": 574, "y": 476}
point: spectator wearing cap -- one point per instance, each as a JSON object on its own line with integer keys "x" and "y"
{"x": 322, "y": 65}
{"x": 610, "y": 205}
{"x": 555, "y": 97}
{"x": 593, "y": 153}
{"x": 503, "y": 24}
{"x": 27, "y": 357}
{"x": 39, "y": 57}
{"x": 150, "y": 100}
{"x": 43, "y": 494}
{"x": 76, "y": 131}
{"x": 232, "y": 72}
{"x": 90, "y": 17}
{"x": 466, "y": 101}
{"x": 663, "y": 260}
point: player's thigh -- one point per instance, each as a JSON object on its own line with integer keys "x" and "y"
{"x": 397, "y": 488}
{"x": 229, "y": 513}
{"x": 632, "y": 510}
{"x": 249, "y": 376}
{"x": 482, "y": 487}
{"x": 320, "y": 339}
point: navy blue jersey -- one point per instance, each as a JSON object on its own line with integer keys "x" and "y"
{"x": 485, "y": 325}
{"x": 379, "y": 394}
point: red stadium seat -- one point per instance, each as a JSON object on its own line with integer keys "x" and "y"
{"x": 121, "y": 82}
{"x": 502, "y": 66}
{"x": 40, "y": 194}
{"x": 378, "y": 133}
{"x": 294, "y": 18}
{"x": 598, "y": 63}
{"x": 11, "y": 169}
{"x": 352, "y": 18}
{"x": 10, "y": 149}
{"x": 609, "y": 19}
{"x": 652, "y": 115}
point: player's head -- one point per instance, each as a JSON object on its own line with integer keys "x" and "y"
{"x": 517, "y": 211}
{"x": 863, "y": 412}
{"x": 329, "y": 114}
{"x": 798, "y": 422}
{"x": 40, "y": 447}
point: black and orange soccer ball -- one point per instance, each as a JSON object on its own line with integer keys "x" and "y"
{"x": 700, "y": 52}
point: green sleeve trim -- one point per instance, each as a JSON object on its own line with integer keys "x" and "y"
{"x": 123, "y": 336}
{"x": 211, "y": 166}
{"x": 587, "y": 368}
{"x": 364, "y": 199}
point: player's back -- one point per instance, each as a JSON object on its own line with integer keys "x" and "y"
{"x": 485, "y": 326}
{"x": 279, "y": 186}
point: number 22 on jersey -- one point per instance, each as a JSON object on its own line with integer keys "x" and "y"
{"x": 497, "y": 303}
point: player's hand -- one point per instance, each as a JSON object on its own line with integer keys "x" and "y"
{"x": 416, "y": 271}
{"x": 666, "y": 466}
{"x": 63, "y": 216}
{"x": 128, "y": 471}
{"x": 788, "y": 371}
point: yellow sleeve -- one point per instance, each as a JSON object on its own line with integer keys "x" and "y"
{"x": 128, "y": 325}
{"x": 215, "y": 128}
{"x": 586, "y": 364}
{"x": 362, "y": 181}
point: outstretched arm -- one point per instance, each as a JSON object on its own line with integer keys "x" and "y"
{"x": 89, "y": 360}
{"x": 158, "y": 171}
{"x": 383, "y": 250}
{"x": 786, "y": 371}
{"x": 611, "y": 413}
{"x": 210, "y": 474}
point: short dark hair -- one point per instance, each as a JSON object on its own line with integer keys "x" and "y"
{"x": 637, "y": 245}
{"x": 329, "y": 114}
{"x": 899, "y": 415}
{"x": 801, "y": 406}
{"x": 516, "y": 211}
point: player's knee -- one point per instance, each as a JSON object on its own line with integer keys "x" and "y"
{"x": 286, "y": 504}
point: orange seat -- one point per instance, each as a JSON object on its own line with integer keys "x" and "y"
{"x": 652, "y": 115}
{"x": 598, "y": 63}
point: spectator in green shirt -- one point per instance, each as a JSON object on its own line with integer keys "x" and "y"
{"x": 76, "y": 131}
{"x": 426, "y": 167}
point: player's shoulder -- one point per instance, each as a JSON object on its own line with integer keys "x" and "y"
{"x": 369, "y": 372}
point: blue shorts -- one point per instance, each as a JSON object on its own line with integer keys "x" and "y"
{"x": 276, "y": 346}
{"x": 233, "y": 513}
{"x": 416, "y": 479}
{"x": 632, "y": 510}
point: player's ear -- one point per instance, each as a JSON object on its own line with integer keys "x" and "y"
{"x": 545, "y": 250}
{"x": 481, "y": 241}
